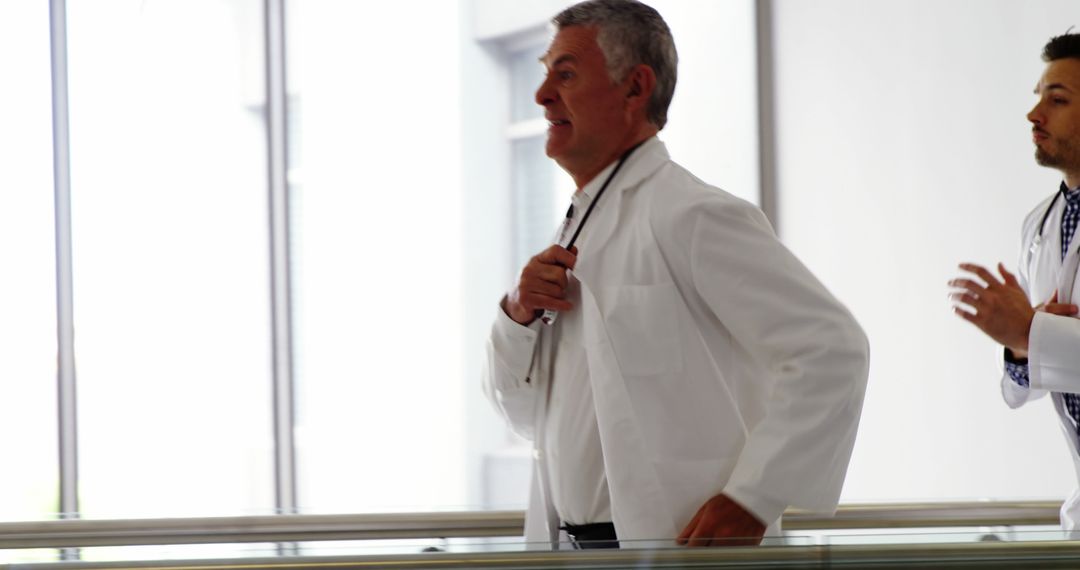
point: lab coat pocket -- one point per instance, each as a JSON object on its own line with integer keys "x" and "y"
{"x": 642, "y": 322}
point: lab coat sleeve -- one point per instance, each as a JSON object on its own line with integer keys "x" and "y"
{"x": 816, "y": 352}
{"x": 506, "y": 380}
{"x": 1053, "y": 355}
{"x": 1014, "y": 394}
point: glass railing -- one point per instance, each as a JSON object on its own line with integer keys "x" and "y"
{"x": 957, "y": 535}
{"x": 957, "y": 550}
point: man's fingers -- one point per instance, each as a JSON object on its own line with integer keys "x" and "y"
{"x": 967, "y": 284}
{"x": 1009, "y": 278}
{"x": 554, "y": 274}
{"x": 537, "y": 294}
{"x": 544, "y": 281}
{"x": 716, "y": 535}
{"x": 702, "y": 535}
{"x": 1061, "y": 309}
{"x": 983, "y": 274}
{"x": 539, "y": 271}
{"x": 545, "y": 288}
{"x": 689, "y": 530}
{"x": 700, "y": 528}
{"x": 684, "y": 537}
{"x": 557, "y": 255}
{"x": 965, "y": 298}
{"x": 967, "y": 316}
{"x": 1054, "y": 308}
{"x": 534, "y": 301}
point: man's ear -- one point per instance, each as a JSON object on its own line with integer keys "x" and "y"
{"x": 640, "y": 82}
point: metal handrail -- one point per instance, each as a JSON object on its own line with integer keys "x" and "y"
{"x": 981, "y": 555}
{"x": 928, "y": 515}
{"x": 300, "y": 528}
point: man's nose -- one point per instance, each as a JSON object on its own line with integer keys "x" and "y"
{"x": 545, "y": 94}
{"x": 1035, "y": 115}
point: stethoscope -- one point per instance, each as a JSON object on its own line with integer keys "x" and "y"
{"x": 1035, "y": 243}
{"x": 549, "y": 316}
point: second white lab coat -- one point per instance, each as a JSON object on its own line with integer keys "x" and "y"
{"x": 717, "y": 362}
{"x": 1054, "y": 341}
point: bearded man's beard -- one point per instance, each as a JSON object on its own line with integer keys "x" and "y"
{"x": 1067, "y": 157}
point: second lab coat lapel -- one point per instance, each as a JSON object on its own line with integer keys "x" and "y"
{"x": 1069, "y": 267}
{"x": 608, "y": 212}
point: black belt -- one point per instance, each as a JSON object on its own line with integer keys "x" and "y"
{"x": 593, "y": 535}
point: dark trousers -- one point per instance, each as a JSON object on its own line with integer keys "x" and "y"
{"x": 594, "y": 535}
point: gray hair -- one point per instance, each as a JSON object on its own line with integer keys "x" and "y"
{"x": 630, "y": 33}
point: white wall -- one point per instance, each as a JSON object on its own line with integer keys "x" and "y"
{"x": 377, "y": 264}
{"x": 712, "y": 124}
{"x": 903, "y": 150}
{"x": 27, "y": 250}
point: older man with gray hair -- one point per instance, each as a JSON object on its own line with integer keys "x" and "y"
{"x": 682, "y": 376}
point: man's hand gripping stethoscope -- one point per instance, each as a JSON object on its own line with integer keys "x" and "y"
{"x": 542, "y": 285}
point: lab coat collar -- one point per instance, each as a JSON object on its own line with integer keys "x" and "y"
{"x": 646, "y": 160}
{"x": 642, "y": 162}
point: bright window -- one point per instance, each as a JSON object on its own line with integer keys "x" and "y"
{"x": 169, "y": 210}
{"x": 28, "y": 485}
{"x": 376, "y": 255}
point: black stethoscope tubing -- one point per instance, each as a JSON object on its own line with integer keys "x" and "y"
{"x": 1050, "y": 208}
{"x": 548, "y": 317}
{"x": 592, "y": 204}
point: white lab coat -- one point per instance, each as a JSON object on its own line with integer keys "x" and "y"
{"x": 717, "y": 362}
{"x": 1054, "y": 341}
